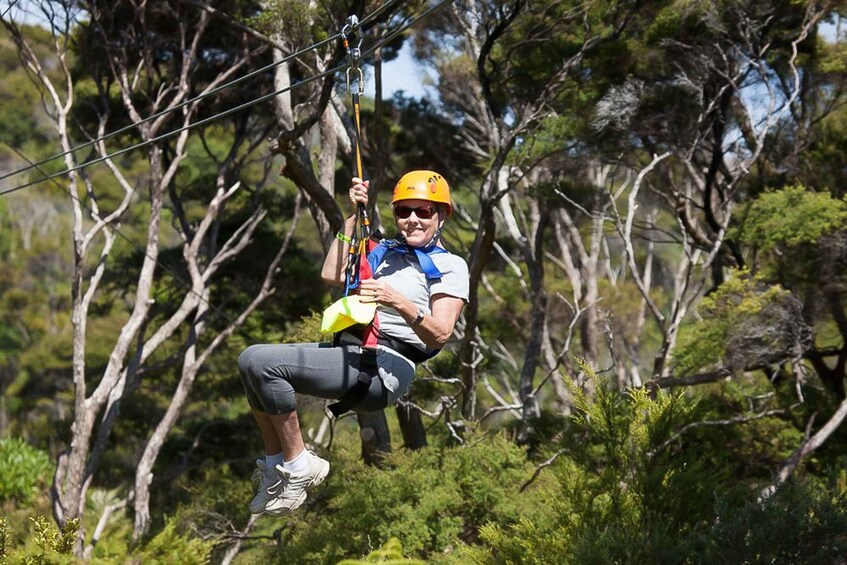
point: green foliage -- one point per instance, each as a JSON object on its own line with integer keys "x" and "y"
{"x": 391, "y": 553}
{"x": 5, "y": 538}
{"x": 750, "y": 451}
{"x": 45, "y": 542}
{"x": 293, "y": 16}
{"x": 790, "y": 217}
{"x": 626, "y": 491}
{"x": 21, "y": 112}
{"x": 798, "y": 524}
{"x": 23, "y": 471}
{"x": 429, "y": 499}
{"x": 214, "y": 495}
{"x": 50, "y": 538}
{"x": 745, "y": 323}
{"x": 306, "y": 331}
{"x": 172, "y": 546}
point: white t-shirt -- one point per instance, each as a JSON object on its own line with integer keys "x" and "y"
{"x": 403, "y": 273}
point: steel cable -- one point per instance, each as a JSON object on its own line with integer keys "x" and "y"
{"x": 37, "y": 165}
{"x": 222, "y": 114}
{"x": 216, "y": 90}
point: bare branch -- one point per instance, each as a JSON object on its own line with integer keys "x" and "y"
{"x": 806, "y": 448}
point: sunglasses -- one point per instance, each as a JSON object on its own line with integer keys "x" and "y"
{"x": 422, "y": 212}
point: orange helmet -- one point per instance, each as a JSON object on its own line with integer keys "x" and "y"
{"x": 423, "y": 185}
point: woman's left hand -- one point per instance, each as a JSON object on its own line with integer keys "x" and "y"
{"x": 374, "y": 290}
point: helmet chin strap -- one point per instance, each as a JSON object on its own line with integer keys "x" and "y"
{"x": 429, "y": 243}
{"x": 435, "y": 236}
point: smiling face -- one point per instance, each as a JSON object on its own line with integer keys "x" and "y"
{"x": 417, "y": 220}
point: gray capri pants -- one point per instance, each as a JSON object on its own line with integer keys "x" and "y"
{"x": 272, "y": 373}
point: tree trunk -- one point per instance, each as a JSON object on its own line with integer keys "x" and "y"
{"x": 411, "y": 426}
{"x": 376, "y": 439}
{"x": 144, "y": 472}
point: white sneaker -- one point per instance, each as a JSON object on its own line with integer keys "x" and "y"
{"x": 293, "y": 493}
{"x": 269, "y": 486}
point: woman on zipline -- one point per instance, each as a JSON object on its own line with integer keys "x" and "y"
{"x": 419, "y": 290}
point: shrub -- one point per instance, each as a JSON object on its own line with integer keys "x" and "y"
{"x": 746, "y": 324}
{"x": 391, "y": 553}
{"x": 798, "y": 524}
{"x": 627, "y": 491}
{"x": 432, "y": 499}
{"x": 172, "y": 546}
{"x": 5, "y": 539}
{"x": 23, "y": 470}
{"x": 789, "y": 217}
{"x": 45, "y": 543}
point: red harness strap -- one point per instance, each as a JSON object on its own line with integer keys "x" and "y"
{"x": 371, "y": 332}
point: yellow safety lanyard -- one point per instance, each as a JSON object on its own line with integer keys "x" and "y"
{"x": 362, "y": 231}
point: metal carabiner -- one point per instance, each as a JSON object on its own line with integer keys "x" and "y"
{"x": 360, "y": 78}
{"x": 350, "y": 26}
{"x": 354, "y": 54}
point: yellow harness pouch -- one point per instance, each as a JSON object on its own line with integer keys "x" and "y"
{"x": 346, "y": 312}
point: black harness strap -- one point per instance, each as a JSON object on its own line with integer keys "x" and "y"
{"x": 361, "y": 234}
{"x": 357, "y": 393}
{"x": 368, "y": 367}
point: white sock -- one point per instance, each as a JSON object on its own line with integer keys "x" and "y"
{"x": 273, "y": 460}
{"x": 299, "y": 465}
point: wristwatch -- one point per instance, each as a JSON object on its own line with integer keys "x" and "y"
{"x": 419, "y": 318}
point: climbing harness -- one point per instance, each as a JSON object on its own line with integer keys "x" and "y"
{"x": 353, "y": 321}
{"x": 362, "y": 231}
{"x": 350, "y": 310}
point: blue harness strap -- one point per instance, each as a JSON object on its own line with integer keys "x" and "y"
{"x": 368, "y": 369}
{"x": 422, "y": 255}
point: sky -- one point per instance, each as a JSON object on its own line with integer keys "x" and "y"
{"x": 403, "y": 73}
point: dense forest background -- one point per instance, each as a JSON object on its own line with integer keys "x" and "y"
{"x": 652, "y": 199}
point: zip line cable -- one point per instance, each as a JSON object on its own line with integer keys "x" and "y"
{"x": 223, "y": 113}
{"x": 8, "y": 8}
{"x": 165, "y": 111}
{"x": 185, "y": 103}
{"x": 215, "y": 309}
{"x": 170, "y": 134}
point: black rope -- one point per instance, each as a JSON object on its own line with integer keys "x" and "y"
{"x": 118, "y": 232}
{"x": 215, "y": 309}
{"x": 220, "y": 114}
{"x": 185, "y": 103}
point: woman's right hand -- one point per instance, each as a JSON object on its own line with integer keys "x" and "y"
{"x": 359, "y": 192}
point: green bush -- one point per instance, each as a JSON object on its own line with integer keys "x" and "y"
{"x": 389, "y": 554}
{"x": 745, "y": 324}
{"x": 172, "y": 546}
{"x": 432, "y": 499}
{"x": 23, "y": 471}
{"x": 630, "y": 491}
{"x": 791, "y": 216}
{"x": 627, "y": 490}
{"x": 44, "y": 543}
{"x": 798, "y": 524}
{"x": 5, "y": 539}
